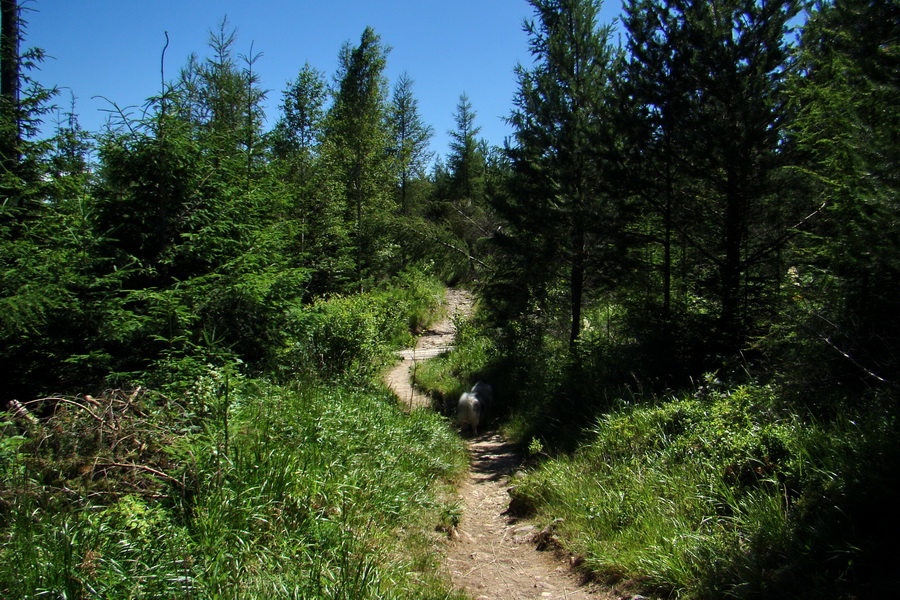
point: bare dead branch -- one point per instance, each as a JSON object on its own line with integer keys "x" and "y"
{"x": 23, "y": 413}
{"x": 853, "y": 361}
{"x": 156, "y": 472}
{"x": 82, "y": 407}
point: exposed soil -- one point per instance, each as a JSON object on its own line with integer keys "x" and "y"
{"x": 492, "y": 555}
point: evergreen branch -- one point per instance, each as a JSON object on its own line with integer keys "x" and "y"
{"x": 471, "y": 220}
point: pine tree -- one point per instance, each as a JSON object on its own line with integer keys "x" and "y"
{"x": 459, "y": 191}
{"x": 302, "y": 167}
{"x": 848, "y": 121}
{"x": 466, "y": 160}
{"x": 411, "y": 139}
{"x": 23, "y": 103}
{"x": 299, "y": 131}
{"x": 357, "y": 140}
{"x": 655, "y": 94}
{"x": 224, "y": 102}
{"x": 711, "y": 80}
{"x": 10, "y": 81}
{"x": 561, "y": 209}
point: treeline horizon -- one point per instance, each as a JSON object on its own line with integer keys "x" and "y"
{"x": 713, "y": 187}
{"x": 687, "y": 260}
{"x": 331, "y": 189}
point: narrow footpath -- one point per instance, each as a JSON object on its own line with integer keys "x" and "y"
{"x": 430, "y": 343}
{"x": 492, "y": 555}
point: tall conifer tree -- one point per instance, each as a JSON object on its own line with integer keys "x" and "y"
{"x": 357, "y": 138}
{"x": 848, "y": 128}
{"x": 411, "y": 138}
{"x": 711, "y": 80}
{"x": 561, "y": 206}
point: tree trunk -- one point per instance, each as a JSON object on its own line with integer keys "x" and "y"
{"x": 9, "y": 83}
{"x": 576, "y": 284}
{"x": 731, "y": 269}
{"x": 667, "y": 243}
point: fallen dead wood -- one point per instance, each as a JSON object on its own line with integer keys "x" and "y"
{"x": 156, "y": 472}
{"x": 18, "y": 410}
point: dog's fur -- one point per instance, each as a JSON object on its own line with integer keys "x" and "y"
{"x": 472, "y": 405}
{"x": 469, "y": 411}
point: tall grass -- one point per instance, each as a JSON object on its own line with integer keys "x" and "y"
{"x": 726, "y": 493}
{"x": 324, "y": 492}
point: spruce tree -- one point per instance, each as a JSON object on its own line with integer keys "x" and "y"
{"x": 23, "y": 104}
{"x": 460, "y": 183}
{"x": 710, "y": 77}
{"x": 307, "y": 187}
{"x": 466, "y": 159}
{"x": 845, "y": 93}
{"x": 411, "y": 139}
{"x": 562, "y": 211}
{"x": 10, "y": 83}
{"x": 299, "y": 130}
{"x": 357, "y": 140}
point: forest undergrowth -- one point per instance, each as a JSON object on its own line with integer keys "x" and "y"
{"x": 235, "y": 488}
{"x": 687, "y": 270}
{"x": 727, "y": 487}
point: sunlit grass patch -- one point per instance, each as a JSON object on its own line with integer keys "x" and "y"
{"x": 309, "y": 491}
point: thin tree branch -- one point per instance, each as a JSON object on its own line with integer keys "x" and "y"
{"x": 143, "y": 468}
{"x": 852, "y": 360}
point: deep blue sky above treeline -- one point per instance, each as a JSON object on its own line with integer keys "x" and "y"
{"x": 112, "y": 48}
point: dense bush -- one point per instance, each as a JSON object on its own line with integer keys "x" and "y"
{"x": 353, "y": 335}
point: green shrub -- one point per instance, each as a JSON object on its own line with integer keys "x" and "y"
{"x": 354, "y": 335}
{"x": 726, "y": 492}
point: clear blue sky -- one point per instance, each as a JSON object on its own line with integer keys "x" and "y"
{"x": 112, "y": 48}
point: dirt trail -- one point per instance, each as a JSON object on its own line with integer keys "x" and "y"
{"x": 431, "y": 342}
{"x": 492, "y": 555}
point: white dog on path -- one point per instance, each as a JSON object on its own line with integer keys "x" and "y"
{"x": 472, "y": 405}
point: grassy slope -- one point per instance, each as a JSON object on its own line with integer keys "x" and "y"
{"x": 727, "y": 493}
{"x": 324, "y": 492}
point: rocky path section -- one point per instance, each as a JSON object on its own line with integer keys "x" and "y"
{"x": 492, "y": 555}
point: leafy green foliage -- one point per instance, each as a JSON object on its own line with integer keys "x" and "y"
{"x": 353, "y": 335}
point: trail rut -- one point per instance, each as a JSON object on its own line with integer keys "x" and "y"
{"x": 492, "y": 555}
